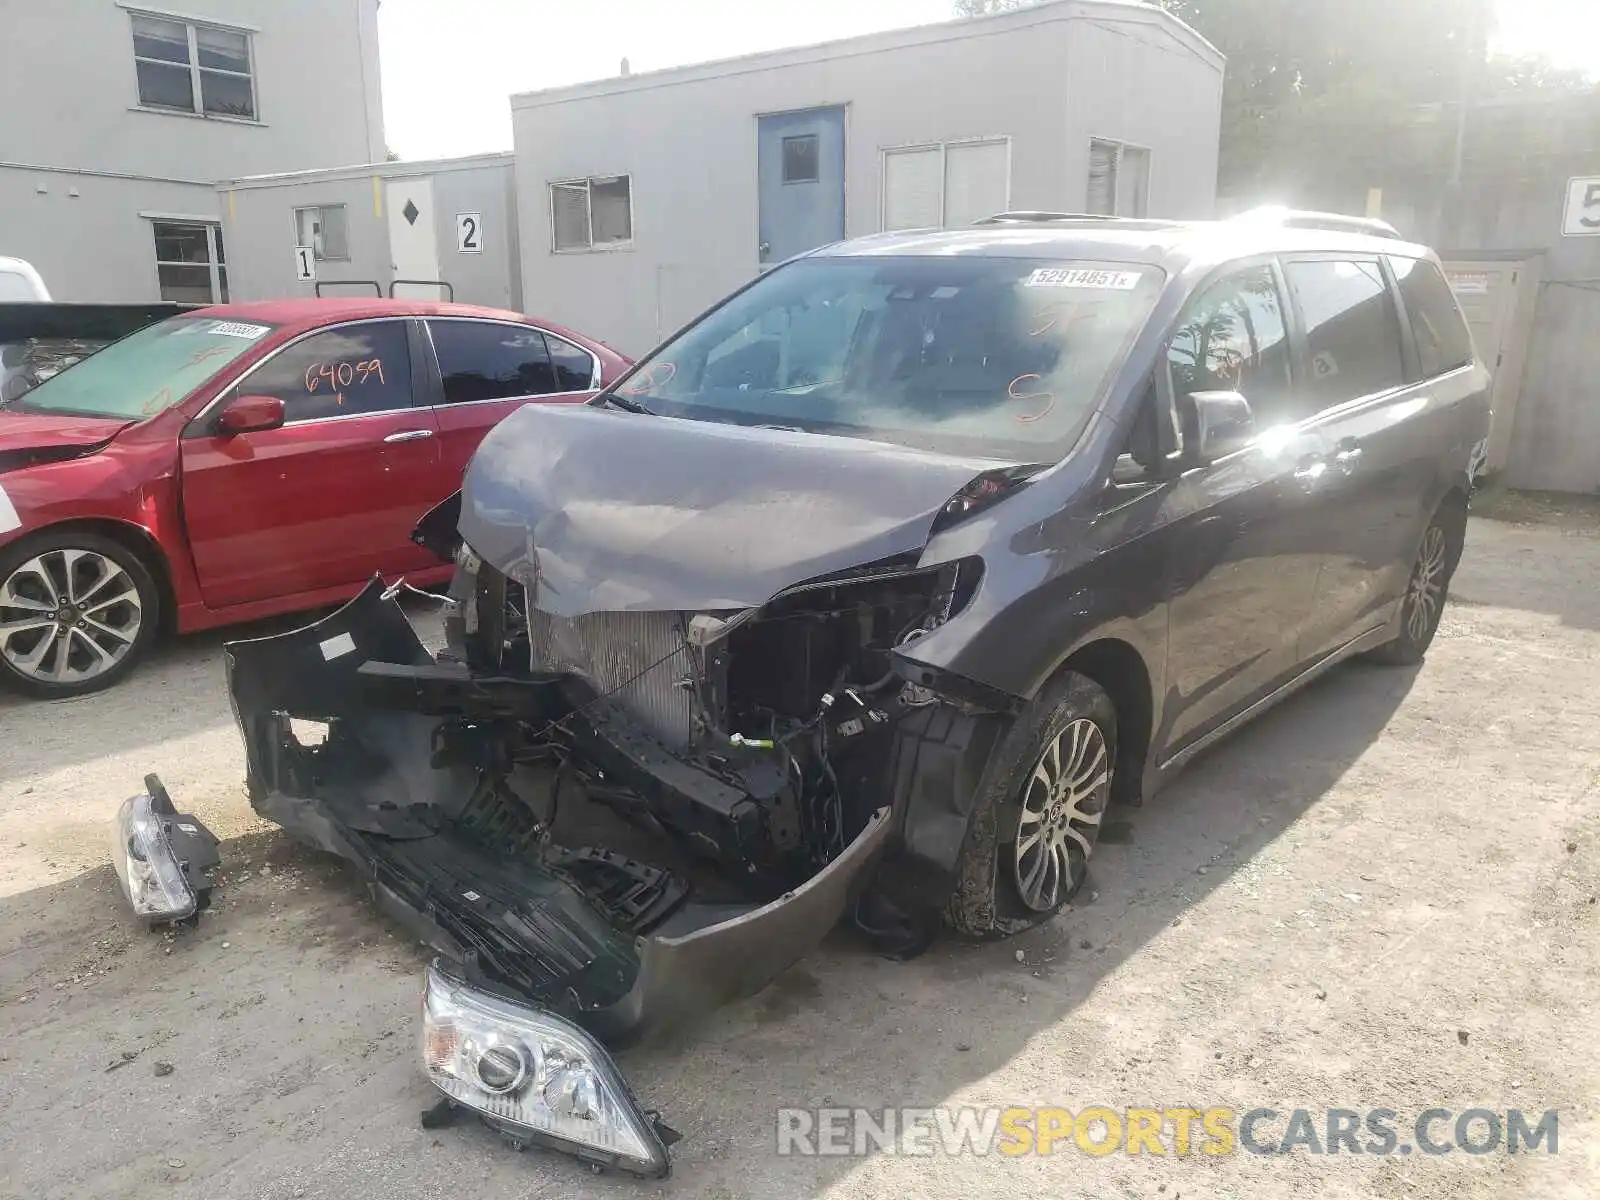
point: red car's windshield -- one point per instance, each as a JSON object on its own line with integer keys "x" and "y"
{"x": 146, "y": 371}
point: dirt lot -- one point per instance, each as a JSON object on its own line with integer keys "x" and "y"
{"x": 1382, "y": 895}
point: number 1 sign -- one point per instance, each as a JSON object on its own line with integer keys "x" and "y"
{"x": 305, "y": 264}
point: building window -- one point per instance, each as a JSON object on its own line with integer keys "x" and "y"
{"x": 947, "y": 184}
{"x": 326, "y": 230}
{"x": 189, "y": 263}
{"x": 192, "y": 68}
{"x": 591, "y": 214}
{"x": 1119, "y": 180}
{"x": 800, "y": 159}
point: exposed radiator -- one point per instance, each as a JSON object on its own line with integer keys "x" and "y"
{"x": 637, "y": 658}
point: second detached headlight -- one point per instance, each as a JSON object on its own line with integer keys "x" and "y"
{"x": 163, "y": 858}
{"x": 534, "y": 1075}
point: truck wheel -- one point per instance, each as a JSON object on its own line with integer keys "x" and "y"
{"x": 1034, "y": 829}
{"x": 77, "y": 611}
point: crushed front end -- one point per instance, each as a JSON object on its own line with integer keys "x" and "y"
{"x": 617, "y": 821}
{"x": 659, "y": 755}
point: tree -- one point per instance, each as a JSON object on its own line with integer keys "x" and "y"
{"x": 1324, "y": 87}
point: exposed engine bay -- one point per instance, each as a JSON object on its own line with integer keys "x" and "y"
{"x": 778, "y": 721}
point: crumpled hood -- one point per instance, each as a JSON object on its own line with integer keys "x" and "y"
{"x": 605, "y": 510}
{"x": 52, "y": 435}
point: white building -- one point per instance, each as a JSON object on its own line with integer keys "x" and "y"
{"x": 643, "y": 199}
{"x": 372, "y": 228}
{"x": 120, "y": 117}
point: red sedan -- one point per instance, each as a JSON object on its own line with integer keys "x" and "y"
{"x": 247, "y": 460}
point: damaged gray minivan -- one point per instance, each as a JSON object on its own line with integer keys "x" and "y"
{"x": 865, "y": 595}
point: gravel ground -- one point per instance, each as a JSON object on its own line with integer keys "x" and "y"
{"x": 1381, "y": 895}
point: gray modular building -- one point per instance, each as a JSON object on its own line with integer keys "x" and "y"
{"x": 431, "y": 230}
{"x": 642, "y": 199}
{"x": 120, "y": 117}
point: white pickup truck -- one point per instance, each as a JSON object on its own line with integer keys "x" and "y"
{"x": 20, "y": 282}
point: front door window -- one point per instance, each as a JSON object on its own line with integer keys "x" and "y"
{"x": 341, "y": 372}
{"x": 1233, "y": 338}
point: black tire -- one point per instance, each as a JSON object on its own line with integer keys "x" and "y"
{"x": 1427, "y": 588}
{"x": 992, "y": 897}
{"x": 134, "y": 620}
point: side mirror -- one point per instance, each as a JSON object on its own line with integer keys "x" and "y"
{"x": 1215, "y": 425}
{"x": 250, "y": 414}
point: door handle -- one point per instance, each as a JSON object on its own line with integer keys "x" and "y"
{"x": 409, "y": 435}
{"x": 1310, "y": 469}
{"x": 1347, "y": 456}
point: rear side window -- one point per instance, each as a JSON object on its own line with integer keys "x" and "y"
{"x": 574, "y": 365}
{"x": 340, "y": 372}
{"x": 1443, "y": 342}
{"x": 1352, "y": 329}
{"x": 482, "y": 360}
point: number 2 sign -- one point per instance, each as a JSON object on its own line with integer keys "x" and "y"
{"x": 1583, "y": 208}
{"x": 469, "y": 233}
{"x": 305, "y": 264}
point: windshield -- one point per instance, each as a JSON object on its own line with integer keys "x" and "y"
{"x": 996, "y": 357}
{"x": 146, "y": 371}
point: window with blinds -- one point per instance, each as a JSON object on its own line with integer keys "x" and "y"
{"x": 945, "y": 184}
{"x": 1102, "y": 195}
{"x": 1119, "y": 180}
{"x": 591, "y": 214}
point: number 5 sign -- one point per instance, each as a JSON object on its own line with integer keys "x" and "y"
{"x": 1583, "y": 208}
{"x": 469, "y": 233}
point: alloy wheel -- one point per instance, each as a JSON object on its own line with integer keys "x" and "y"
{"x": 68, "y": 615}
{"x": 1426, "y": 592}
{"x": 1065, "y": 795}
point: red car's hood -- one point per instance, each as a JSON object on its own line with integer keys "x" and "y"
{"x": 21, "y": 431}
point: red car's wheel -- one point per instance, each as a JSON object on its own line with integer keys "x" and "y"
{"x": 77, "y": 611}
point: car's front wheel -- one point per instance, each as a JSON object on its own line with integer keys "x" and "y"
{"x": 77, "y": 611}
{"x": 1035, "y": 827}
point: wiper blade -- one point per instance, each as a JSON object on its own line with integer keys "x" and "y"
{"x": 623, "y": 403}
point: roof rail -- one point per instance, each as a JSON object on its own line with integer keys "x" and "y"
{"x": 1300, "y": 218}
{"x": 1034, "y": 217}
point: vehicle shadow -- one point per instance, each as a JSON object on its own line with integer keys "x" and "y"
{"x": 178, "y": 692}
{"x": 290, "y": 1010}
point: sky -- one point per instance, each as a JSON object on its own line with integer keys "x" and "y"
{"x": 450, "y": 66}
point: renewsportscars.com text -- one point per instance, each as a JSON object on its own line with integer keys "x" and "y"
{"x": 1099, "y": 1130}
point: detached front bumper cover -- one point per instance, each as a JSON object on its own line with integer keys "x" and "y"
{"x": 538, "y": 1079}
{"x": 163, "y": 858}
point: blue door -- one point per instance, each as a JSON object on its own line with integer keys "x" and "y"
{"x": 801, "y": 172}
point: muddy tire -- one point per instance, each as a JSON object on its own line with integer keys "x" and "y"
{"x": 1427, "y": 589}
{"x": 1036, "y": 825}
{"x": 78, "y": 610}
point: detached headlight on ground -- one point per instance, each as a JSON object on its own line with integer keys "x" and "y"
{"x": 163, "y": 858}
{"x": 534, "y": 1076}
